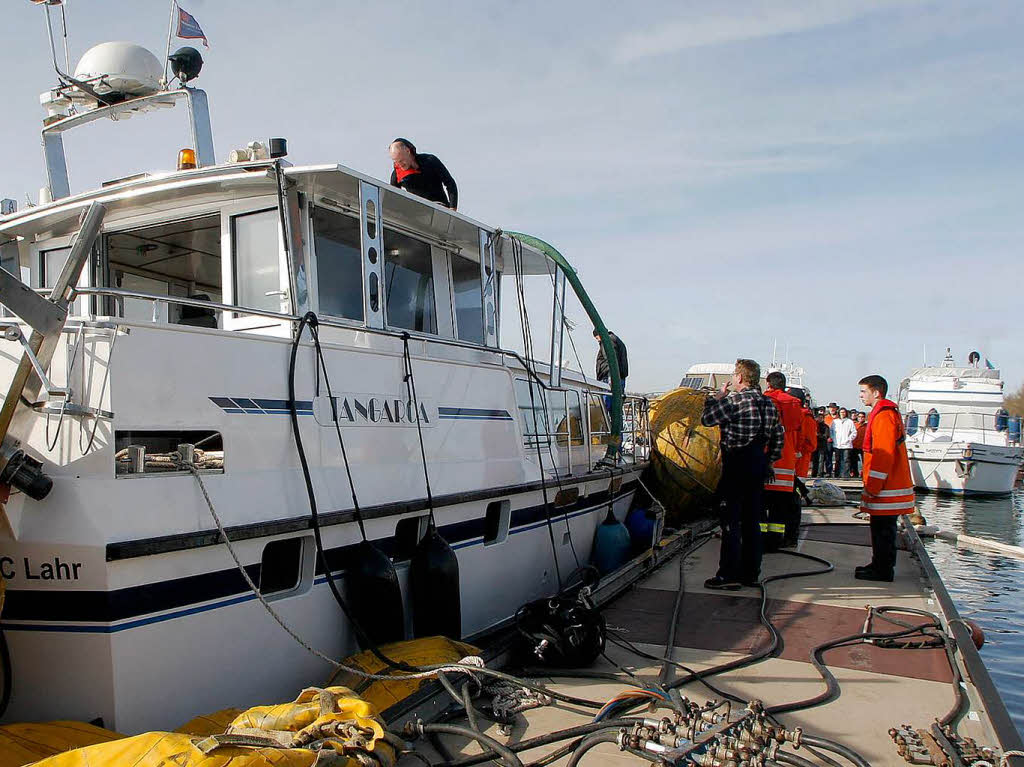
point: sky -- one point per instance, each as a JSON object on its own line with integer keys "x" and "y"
{"x": 843, "y": 178}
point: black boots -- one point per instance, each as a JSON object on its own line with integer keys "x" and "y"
{"x": 869, "y": 573}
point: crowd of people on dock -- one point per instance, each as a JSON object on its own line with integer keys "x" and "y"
{"x": 840, "y": 441}
{"x": 768, "y": 441}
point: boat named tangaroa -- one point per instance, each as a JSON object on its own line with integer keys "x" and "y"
{"x": 163, "y": 374}
{"x": 960, "y": 438}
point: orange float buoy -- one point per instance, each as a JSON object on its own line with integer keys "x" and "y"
{"x": 977, "y": 635}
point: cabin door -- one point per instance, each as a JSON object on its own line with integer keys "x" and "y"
{"x": 256, "y": 271}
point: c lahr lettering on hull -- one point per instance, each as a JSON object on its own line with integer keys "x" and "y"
{"x": 46, "y": 570}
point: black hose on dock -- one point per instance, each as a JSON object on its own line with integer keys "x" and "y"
{"x": 590, "y": 742}
{"x": 506, "y": 754}
{"x": 835, "y": 748}
{"x": 792, "y": 759}
{"x": 579, "y": 731}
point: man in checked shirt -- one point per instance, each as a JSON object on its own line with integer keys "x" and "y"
{"x": 752, "y": 440}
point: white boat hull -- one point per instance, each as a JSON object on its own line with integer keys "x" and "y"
{"x": 152, "y": 666}
{"x": 964, "y": 467}
{"x": 124, "y": 604}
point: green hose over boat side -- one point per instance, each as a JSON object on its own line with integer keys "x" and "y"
{"x": 615, "y": 440}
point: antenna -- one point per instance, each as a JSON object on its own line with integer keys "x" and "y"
{"x": 775, "y": 349}
{"x": 170, "y": 32}
{"x": 64, "y": 78}
{"x": 64, "y": 26}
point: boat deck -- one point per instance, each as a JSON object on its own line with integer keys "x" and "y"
{"x": 879, "y": 688}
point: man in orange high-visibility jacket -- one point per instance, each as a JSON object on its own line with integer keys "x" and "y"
{"x": 779, "y": 498}
{"x": 808, "y": 444}
{"x": 888, "y": 489}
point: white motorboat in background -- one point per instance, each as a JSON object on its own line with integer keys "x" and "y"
{"x": 711, "y": 375}
{"x": 960, "y": 439}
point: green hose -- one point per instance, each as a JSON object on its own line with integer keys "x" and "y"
{"x": 615, "y": 440}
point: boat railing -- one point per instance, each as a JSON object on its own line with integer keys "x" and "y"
{"x": 965, "y": 425}
{"x": 636, "y": 424}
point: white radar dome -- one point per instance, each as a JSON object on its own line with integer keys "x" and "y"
{"x": 126, "y": 68}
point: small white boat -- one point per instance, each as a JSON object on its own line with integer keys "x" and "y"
{"x": 960, "y": 439}
{"x": 711, "y": 375}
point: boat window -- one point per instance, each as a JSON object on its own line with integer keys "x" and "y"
{"x": 281, "y": 566}
{"x": 496, "y": 522}
{"x": 911, "y": 423}
{"x": 408, "y": 283}
{"x": 570, "y": 422}
{"x": 469, "y": 304}
{"x": 408, "y": 533}
{"x": 933, "y": 419}
{"x": 175, "y": 258}
{"x": 257, "y": 245}
{"x": 50, "y": 264}
{"x": 338, "y": 264}
{"x": 600, "y": 428}
{"x": 532, "y": 411}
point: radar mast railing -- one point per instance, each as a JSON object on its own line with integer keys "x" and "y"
{"x": 615, "y": 439}
{"x": 199, "y": 125}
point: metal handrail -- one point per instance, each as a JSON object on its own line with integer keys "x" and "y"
{"x": 637, "y": 429}
{"x": 119, "y": 295}
{"x": 638, "y": 426}
{"x": 981, "y": 425}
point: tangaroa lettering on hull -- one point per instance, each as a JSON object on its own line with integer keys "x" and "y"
{"x": 373, "y": 410}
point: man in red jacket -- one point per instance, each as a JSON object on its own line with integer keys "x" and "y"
{"x": 888, "y": 488}
{"x": 783, "y": 508}
{"x": 808, "y": 446}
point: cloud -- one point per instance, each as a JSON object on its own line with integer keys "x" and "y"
{"x": 730, "y": 23}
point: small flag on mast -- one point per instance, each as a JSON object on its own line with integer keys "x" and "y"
{"x": 188, "y": 27}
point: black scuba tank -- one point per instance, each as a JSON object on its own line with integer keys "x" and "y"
{"x": 434, "y": 586}
{"x": 374, "y": 594}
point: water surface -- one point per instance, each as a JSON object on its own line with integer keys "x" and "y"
{"x": 987, "y": 587}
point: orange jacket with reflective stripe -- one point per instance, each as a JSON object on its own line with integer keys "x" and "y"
{"x": 791, "y": 417}
{"x": 888, "y": 487}
{"x": 808, "y": 444}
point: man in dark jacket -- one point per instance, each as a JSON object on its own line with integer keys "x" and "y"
{"x": 422, "y": 174}
{"x": 603, "y": 373}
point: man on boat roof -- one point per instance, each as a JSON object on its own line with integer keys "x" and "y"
{"x": 422, "y": 174}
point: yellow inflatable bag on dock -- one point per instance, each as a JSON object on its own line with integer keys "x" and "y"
{"x": 414, "y": 652}
{"x": 210, "y": 724}
{"x": 323, "y": 727}
{"x": 685, "y": 462}
{"x": 22, "y": 744}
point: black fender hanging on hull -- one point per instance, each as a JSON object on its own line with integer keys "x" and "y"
{"x": 375, "y": 595}
{"x": 434, "y": 584}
